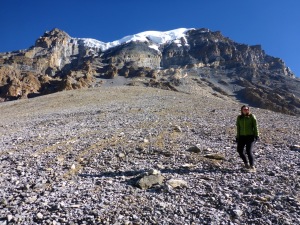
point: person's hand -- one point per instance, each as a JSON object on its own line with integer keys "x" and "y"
{"x": 256, "y": 138}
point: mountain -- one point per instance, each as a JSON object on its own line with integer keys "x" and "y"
{"x": 186, "y": 60}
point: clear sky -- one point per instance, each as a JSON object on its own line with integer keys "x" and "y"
{"x": 275, "y": 24}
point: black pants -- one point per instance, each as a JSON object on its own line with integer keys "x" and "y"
{"x": 249, "y": 142}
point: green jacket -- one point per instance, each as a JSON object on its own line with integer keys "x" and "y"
{"x": 246, "y": 125}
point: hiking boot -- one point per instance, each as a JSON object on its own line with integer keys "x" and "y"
{"x": 247, "y": 166}
{"x": 252, "y": 169}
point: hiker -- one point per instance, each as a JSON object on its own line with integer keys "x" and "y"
{"x": 247, "y": 134}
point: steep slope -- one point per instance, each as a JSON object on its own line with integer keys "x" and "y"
{"x": 182, "y": 59}
{"x": 75, "y": 157}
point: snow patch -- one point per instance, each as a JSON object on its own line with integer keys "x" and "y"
{"x": 155, "y": 47}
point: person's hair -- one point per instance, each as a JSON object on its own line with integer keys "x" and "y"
{"x": 244, "y": 106}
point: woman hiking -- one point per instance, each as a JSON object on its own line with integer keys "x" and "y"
{"x": 247, "y": 134}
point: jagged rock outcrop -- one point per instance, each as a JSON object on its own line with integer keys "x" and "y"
{"x": 197, "y": 57}
{"x": 53, "y": 64}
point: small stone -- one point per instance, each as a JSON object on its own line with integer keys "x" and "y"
{"x": 9, "y": 218}
{"x": 81, "y": 159}
{"x": 73, "y": 167}
{"x": 120, "y": 217}
{"x": 32, "y": 199}
{"x": 159, "y": 166}
{"x": 135, "y": 217}
{"x": 177, "y": 128}
{"x": 26, "y": 187}
{"x": 177, "y": 183}
{"x": 215, "y": 156}
{"x": 237, "y": 212}
{"x": 163, "y": 204}
{"x": 262, "y": 199}
{"x": 49, "y": 170}
{"x": 207, "y": 150}
{"x": 187, "y": 166}
{"x": 271, "y": 173}
{"x": 295, "y": 148}
{"x": 121, "y": 155}
{"x": 3, "y": 202}
{"x": 74, "y": 206}
{"x": 39, "y": 216}
{"x": 194, "y": 149}
{"x": 153, "y": 172}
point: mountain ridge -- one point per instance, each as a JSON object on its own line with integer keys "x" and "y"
{"x": 169, "y": 60}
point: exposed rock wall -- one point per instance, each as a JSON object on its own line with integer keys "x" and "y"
{"x": 133, "y": 54}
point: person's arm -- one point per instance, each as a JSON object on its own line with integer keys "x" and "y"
{"x": 255, "y": 126}
{"x": 237, "y": 128}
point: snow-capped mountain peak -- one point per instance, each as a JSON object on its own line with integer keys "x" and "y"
{"x": 156, "y": 38}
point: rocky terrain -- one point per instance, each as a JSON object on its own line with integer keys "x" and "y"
{"x": 137, "y": 155}
{"x": 58, "y": 62}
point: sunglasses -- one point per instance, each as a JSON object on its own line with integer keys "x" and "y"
{"x": 245, "y": 109}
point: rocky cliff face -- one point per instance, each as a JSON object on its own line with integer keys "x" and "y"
{"x": 197, "y": 58}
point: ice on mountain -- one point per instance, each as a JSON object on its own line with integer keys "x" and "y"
{"x": 155, "y": 38}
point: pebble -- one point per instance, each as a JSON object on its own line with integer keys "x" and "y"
{"x": 121, "y": 155}
{"x": 39, "y": 216}
{"x": 9, "y": 218}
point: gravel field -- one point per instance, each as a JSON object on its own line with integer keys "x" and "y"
{"x": 79, "y": 157}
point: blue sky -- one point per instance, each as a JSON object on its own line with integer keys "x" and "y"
{"x": 275, "y": 24}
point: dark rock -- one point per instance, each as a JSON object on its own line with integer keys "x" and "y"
{"x": 194, "y": 149}
{"x": 295, "y": 148}
{"x": 215, "y": 156}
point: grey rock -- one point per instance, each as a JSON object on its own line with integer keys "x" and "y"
{"x": 149, "y": 181}
{"x": 177, "y": 183}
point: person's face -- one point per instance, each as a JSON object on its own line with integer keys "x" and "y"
{"x": 245, "y": 111}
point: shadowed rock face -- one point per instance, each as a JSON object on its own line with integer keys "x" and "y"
{"x": 59, "y": 62}
{"x": 137, "y": 54}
